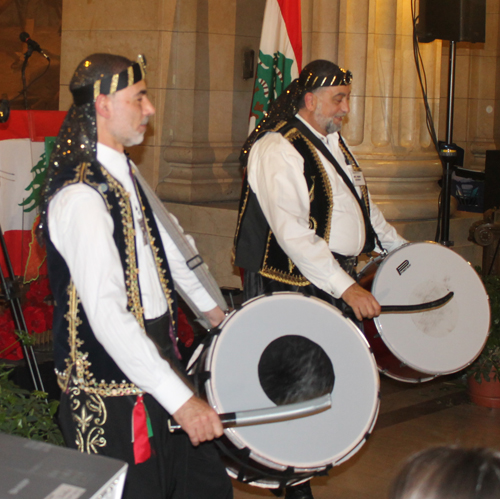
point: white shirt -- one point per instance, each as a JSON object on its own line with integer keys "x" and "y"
{"x": 276, "y": 175}
{"x": 81, "y": 229}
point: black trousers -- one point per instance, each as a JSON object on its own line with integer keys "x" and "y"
{"x": 176, "y": 469}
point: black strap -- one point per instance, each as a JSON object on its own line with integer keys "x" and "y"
{"x": 369, "y": 231}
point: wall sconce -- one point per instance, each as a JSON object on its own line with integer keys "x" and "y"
{"x": 248, "y": 63}
{"x": 4, "y": 110}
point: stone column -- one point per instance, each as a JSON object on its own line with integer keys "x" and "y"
{"x": 386, "y": 128}
{"x": 207, "y": 100}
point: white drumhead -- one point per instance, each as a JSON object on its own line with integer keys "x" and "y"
{"x": 311, "y": 442}
{"x": 439, "y": 341}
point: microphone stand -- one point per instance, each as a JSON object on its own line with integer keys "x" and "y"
{"x": 448, "y": 153}
{"x": 27, "y": 55}
{"x": 17, "y": 314}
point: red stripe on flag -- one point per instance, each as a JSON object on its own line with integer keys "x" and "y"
{"x": 290, "y": 10}
{"x": 34, "y": 125}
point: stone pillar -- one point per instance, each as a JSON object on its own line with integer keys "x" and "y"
{"x": 194, "y": 51}
{"x": 386, "y": 128}
{"x": 207, "y": 101}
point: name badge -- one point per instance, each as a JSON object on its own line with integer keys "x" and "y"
{"x": 359, "y": 178}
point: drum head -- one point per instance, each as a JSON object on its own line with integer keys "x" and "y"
{"x": 311, "y": 442}
{"x": 440, "y": 341}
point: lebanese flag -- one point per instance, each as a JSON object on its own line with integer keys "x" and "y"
{"x": 280, "y": 55}
{"x": 22, "y": 147}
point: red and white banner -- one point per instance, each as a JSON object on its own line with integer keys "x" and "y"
{"x": 280, "y": 55}
{"x": 22, "y": 146}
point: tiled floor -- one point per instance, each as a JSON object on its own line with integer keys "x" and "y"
{"x": 412, "y": 417}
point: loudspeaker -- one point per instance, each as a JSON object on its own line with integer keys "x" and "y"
{"x": 492, "y": 180}
{"x": 454, "y": 20}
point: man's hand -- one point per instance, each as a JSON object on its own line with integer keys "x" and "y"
{"x": 362, "y": 302}
{"x": 198, "y": 420}
{"x": 215, "y": 316}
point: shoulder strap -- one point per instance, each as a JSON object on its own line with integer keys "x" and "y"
{"x": 193, "y": 260}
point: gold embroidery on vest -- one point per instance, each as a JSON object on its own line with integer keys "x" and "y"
{"x": 311, "y": 190}
{"x": 78, "y": 368}
{"x": 89, "y": 415}
{"x": 131, "y": 269}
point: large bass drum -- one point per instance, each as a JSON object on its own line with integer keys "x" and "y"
{"x": 280, "y": 453}
{"x": 418, "y": 346}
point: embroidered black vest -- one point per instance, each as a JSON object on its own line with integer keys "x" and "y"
{"x": 256, "y": 247}
{"x": 78, "y": 356}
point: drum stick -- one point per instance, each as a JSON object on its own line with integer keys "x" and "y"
{"x": 420, "y": 307}
{"x": 269, "y": 414}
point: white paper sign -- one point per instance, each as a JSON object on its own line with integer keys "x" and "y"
{"x": 65, "y": 491}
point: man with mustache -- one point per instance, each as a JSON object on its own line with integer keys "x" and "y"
{"x": 305, "y": 213}
{"x": 111, "y": 267}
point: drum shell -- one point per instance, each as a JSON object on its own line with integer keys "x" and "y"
{"x": 415, "y": 347}
{"x": 388, "y": 363}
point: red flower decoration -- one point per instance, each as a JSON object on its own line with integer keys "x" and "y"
{"x": 35, "y": 319}
{"x": 37, "y": 314}
{"x": 184, "y": 330}
{"x": 10, "y": 347}
{"x": 39, "y": 290}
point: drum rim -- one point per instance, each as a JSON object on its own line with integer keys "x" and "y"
{"x": 238, "y": 442}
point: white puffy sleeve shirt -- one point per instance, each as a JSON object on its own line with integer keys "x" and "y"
{"x": 276, "y": 175}
{"x": 81, "y": 229}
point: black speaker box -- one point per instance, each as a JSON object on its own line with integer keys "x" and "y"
{"x": 454, "y": 20}
{"x": 492, "y": 180}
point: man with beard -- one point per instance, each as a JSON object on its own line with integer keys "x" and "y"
{"x": 305, "y": 212}
{"x": 112, "y": 266}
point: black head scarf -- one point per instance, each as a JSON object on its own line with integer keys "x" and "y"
{"x": 77, "y": 138}
{"x": 316, "y": 74}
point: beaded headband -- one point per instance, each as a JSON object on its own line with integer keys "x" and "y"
{"x": 110, "y": 84}
{"x": 308, "y": 80}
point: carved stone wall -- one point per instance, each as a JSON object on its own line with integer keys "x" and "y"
{"x": 195, "y": 52}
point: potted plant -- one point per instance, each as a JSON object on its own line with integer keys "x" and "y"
{"x": 483, "y": 373}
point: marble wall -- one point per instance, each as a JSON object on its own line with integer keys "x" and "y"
{"x": 195, "y": 53}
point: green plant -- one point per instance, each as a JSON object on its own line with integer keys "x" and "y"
{"x": 489, "y": 360}
{"x": 27, "y": 414}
